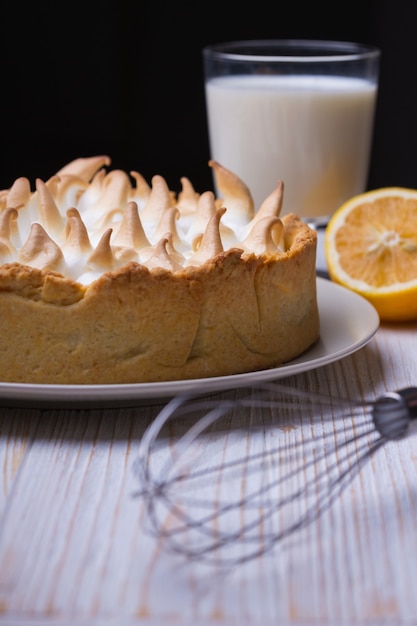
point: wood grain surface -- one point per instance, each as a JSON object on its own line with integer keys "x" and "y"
{"x": 75, "y": 545}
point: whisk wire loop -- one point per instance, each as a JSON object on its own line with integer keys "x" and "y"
{"x": 276, "y": 490}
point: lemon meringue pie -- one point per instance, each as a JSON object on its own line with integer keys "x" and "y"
{"x": 106, "y": 278}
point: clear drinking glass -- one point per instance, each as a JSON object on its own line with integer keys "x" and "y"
{"x": 296, "y": 110}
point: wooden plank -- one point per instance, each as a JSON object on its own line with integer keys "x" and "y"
{"x": 74, "y": 543}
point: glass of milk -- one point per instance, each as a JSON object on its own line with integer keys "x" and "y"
{"x": 293, "y": 110}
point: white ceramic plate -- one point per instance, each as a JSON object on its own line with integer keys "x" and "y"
{"x": 347, "y": 323}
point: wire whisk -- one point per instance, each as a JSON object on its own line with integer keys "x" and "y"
{"x": 217, "y": 494}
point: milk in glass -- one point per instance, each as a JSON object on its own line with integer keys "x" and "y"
{"x": 312, "y": 132}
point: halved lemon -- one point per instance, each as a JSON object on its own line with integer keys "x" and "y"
{"x": 371, "y": 248}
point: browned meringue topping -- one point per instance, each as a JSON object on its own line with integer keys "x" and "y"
{"x": 85, "y": 221}
{"x": 41, "y": 251}
{"x": 85, "y": 168}
{"x": 18, "y": 195}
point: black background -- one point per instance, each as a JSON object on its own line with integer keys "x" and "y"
{"x": 125, "y": 79}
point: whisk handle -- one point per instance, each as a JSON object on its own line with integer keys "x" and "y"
{"x": 393, "y": 411}
{"x": 409, "y": 395}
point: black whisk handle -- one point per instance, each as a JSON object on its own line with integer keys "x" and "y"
{"x": 409, "y": 394}
{"x": 393, "y": 411}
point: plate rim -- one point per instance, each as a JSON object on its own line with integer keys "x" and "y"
{"x": 133, "y": 392}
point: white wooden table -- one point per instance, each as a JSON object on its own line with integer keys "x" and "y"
{"x": 74, "y": 545}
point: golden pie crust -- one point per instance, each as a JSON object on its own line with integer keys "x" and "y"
{"x": 236, "y": 311}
